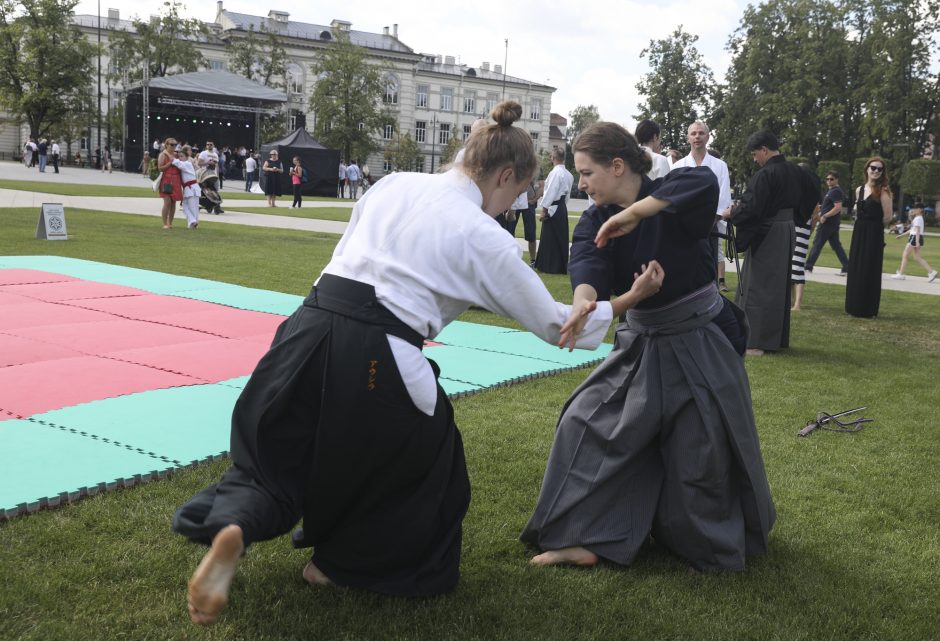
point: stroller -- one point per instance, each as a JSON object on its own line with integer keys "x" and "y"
{"x": 210, "y": 200}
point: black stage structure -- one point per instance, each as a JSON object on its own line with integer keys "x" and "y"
{"x": 322, "y": 164}
{"x": 203, "y": 105}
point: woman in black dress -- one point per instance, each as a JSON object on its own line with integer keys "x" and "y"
{"x": 272, "y": 168}
{"x": 660, "y": 438}
{"x": 873, "y": 212}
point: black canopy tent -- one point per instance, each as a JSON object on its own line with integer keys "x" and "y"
{"x": 322, "y": 164}
{"x": 195, "y": 107}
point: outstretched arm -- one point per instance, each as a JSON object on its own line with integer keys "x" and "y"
{"x": 626, "y": 221}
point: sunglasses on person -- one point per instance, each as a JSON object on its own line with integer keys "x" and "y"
{"x": 829, "y": 179}
{"x": 875, "y": 168}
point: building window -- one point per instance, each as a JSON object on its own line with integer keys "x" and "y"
{"x": 535, "y": 137}
{"x": 391, "y": 90}
{"x": 217, "y": 65}
{"x": 295, "y": 79}
{"x": 535, "y": 111}
{"x": 469, "y": 103}
{"x": 422, "y": 99}
{"x": 443, "y": 134}
{"x": 362, "y": 126}
{"x": 466, "y": 131}
{"x": 447, "y": 99}
{"x": 388, "y": 132}
{"x": 387, "y": 166}
{"x": 491, "y": 99}
{"x": 419, "y": 165}
{"x": 421, "y": 128}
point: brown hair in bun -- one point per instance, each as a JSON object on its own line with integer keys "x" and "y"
{"x": 494, "y": 146}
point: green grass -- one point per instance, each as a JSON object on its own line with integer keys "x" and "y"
{"x": 853, "y": 555}
{"x": 320, "y": 213}
{"x": 893, "y": 249}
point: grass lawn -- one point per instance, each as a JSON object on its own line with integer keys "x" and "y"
{"x": 320, "y": 213}
{"x": 893, "y": 249}
{"x": 853, "y": 555}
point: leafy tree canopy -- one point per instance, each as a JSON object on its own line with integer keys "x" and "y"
{"x": 165, "y": 44}
{"x": 45, "y": 63}
{"x": 580, "y": 118}
{"x": 347, "y": 99}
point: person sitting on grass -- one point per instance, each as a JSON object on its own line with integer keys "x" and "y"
{"x": 344, "y": 423}
{"x": 915, "y": 240}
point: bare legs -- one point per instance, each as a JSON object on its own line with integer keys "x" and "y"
{"x": 210, "y": 583}
{"x": 908, "y": 250}
{"x": 566, "y": 556}
{"x": 168, "y": 212}
{"x": 797, "y": 297}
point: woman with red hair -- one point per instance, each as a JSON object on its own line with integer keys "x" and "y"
{"x": 873, "y": 212}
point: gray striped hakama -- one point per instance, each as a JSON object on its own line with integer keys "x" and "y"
{"x": 764, "y": 287}
{"x": 660, "y": 439}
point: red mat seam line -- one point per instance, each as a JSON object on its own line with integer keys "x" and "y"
{"x": 154, "y": 322}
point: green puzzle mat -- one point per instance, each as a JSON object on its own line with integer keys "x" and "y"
{"x": 61, "y": 455}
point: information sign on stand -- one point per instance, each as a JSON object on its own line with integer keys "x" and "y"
{"x": 52, "y": 222}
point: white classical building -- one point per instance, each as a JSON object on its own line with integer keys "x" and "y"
{"x": 433, "y": 96}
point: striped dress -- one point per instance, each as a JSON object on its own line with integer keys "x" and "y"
{"x": 798, "y": 262}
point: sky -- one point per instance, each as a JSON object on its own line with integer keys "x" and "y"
{"x": 590, "y": 52}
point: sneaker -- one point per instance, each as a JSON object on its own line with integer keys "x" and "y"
{"x": 808, "y": 270}
{"x": 899, "y": 276}
{"x": 931, "y": 276}
{"x": 723, "y": 288}
{"x": 843, "y": 272}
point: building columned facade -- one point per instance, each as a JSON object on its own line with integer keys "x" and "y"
{"x": 433, "y": 97}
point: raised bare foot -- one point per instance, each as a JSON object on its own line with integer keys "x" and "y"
{"x": 314, "y": 576}
{"x": 210, "y": 583}
{"x": 566, "y": 556}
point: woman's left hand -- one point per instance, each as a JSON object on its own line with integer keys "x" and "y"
{"x": 573, "y": 327}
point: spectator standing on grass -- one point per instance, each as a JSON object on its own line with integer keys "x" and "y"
{"x": 191, "y": 189}
{"x": 296, "y": 173}
{"x": 698, "y": 135}
{"x": 866, "y": 254}
{"x": 171, "y": 183}
{"x": 341, "y": 184}
{"x": 353, "y": 176}
{"x": 272, "y": 168}
{"x": 915, "y": 240}
{"x": 827, "y": 230}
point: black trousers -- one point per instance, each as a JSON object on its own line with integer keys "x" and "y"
{"x": 297, "y": 198}
{"x": 827, "y": 233}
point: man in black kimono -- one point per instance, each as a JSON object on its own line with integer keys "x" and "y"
{"x": 778, "y": 195}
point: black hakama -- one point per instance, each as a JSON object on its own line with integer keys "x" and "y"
{"x": 764, "y": 286}
{"x": 326, "y": 430}
{"x": 552, "y": 254}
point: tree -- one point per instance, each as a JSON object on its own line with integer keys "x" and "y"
{"x": 403, "y": 153}
{"x": 449, "y": 151}
{"x": 45, "y": 63}
{"x": 164, "y": 44}
{"x": 347, "y": 98}
{"x": 790, "y": 73}
{"x": 580, "y": 118}
{"x": 263, "y": 59}
{"x": 679, "y": 88}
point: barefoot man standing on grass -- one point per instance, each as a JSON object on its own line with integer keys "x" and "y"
{"x": 343, "y": 421}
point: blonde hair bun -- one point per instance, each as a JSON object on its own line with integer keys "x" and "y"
{"x": 506, "y": 113}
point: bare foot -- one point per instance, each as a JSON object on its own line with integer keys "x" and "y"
{"x": 566, "y": 556}
{"x": 795, "y": 308}
{"x": 755, "y": 352}
{"x": 314, "y": 576}
{"x": 210, "y": 583}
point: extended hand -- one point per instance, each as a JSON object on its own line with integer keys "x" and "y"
{"x": 573, "y": 327}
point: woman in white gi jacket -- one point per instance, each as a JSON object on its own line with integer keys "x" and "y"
{"x": 343, "y": 421}
{"x": 191, "y": 190}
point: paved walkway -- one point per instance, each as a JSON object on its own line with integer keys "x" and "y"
{"x": 151, "y": 207}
